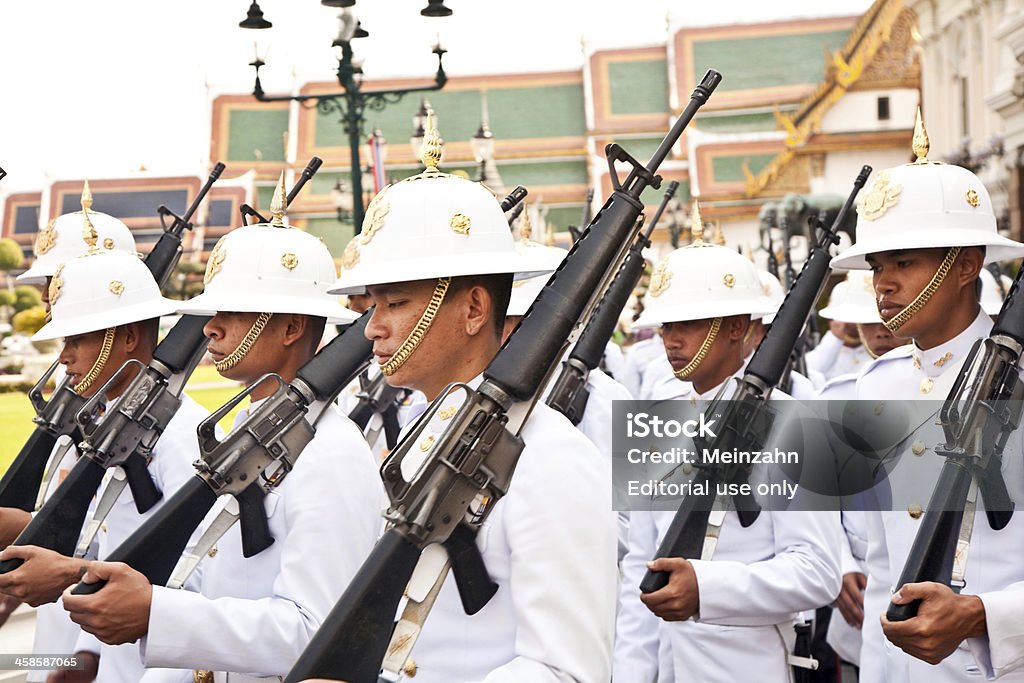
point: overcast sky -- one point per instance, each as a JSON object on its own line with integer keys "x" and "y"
{"x": 101, "y": 88}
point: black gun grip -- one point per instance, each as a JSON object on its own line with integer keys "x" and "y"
{"x": 902, "y": 612}
{"x": 11, "y": 564}
{"x": 252, "y": 518}
{"x": 144, "y": 490}
{"x": 475, "y": 585}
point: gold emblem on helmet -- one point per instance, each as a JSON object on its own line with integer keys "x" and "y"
{"x": 460, "y": 223}
{"x": 729, "y": 280}
{"x": 55, "y": 284}
{"x": 108, "y": 243}
{"x": 289, "y": 260}
{"x": 216, "y": 260}
{"x": 374, "y": 220}
{"x": 972, "y": 198}
{"x": 660, "y": 278}
{"x": 116, "y": 287}
{"x": 880, "y": 199}
{"x": 46, "y": 239}
{"x": 350, "y": 257}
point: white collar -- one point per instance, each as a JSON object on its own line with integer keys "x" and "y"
{"x": 935, "y": 361}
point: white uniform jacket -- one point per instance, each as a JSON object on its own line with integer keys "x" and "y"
{"x": 994, "y": 569}
{"x": 760, "y": 577}
{"x": 831, "y": 357}
{"x": 550, "y": 546}
{"x": 255, "y": 615}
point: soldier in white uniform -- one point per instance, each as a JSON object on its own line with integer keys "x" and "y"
{"x": 925, "y": 230}
{"x": 436, "y": 255}
{"x": 840, "y": 351}
{"x": 254, "y": 616}
{"x": 703, "y": 297}
{"x": 105, "y": 293}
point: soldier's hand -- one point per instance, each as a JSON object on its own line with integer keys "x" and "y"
{"x": 42, "y": 577}
{"x": 90, "y": 667}
{"x": 943, "y": 621}
{"x": 680, "y": 599}
{"x": 119, "y": 612}
{"x": 7, "y": 607}
{"x": 851, "y": 599}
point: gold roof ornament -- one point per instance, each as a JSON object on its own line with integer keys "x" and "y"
{"x": 431, "y": 150}
{"x": 920, "y": 143}
{"x": 279, "y": 204}
{"x": 89, "y": 234}
{"x": 696, "y": 225}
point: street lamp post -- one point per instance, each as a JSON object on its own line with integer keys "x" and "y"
{"x": 351, "y": 103}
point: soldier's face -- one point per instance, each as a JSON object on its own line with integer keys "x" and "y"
{"x": 899, "y": 276}
{"x": 81, "y": 351}
{"x": 683, "y": 341}
{"x": 398, "y": 308}
{"x": 226, "y": 330}
{"x": 878, "y": 338}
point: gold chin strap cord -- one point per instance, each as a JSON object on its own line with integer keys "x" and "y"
{"x": 415, "y": 337}
{"x": 101, "y": 362}
{"x": 235, "y": 357}
{"x": 702, "y": 352}
{"x": 914, "y": 307}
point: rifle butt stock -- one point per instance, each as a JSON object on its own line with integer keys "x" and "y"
{"x": 59, "y": 522}
{"x": 363, "y": 619}
{"x": 931, "y": 555}
{"x": 154, "y": 548}
{"x": 20, "y": 483}
{"x": 685, "y": 536}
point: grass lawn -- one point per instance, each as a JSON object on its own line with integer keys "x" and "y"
{"x": 16, "y": 412}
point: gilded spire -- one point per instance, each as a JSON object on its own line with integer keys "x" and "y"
{"x": 920, "y": 145}
{"x": 89, "y": 233}
{"x": 279, "y": 204}
{"x": 430, "y": 153}
{"x": 525, "y": 228}
{"x": 696, "y": 224}
{"x": 719, "y": 237}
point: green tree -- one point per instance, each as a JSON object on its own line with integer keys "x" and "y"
{"x": 30, "y": 320}
{"x": 10, "y": 258}
{"x": 26, "y": 297}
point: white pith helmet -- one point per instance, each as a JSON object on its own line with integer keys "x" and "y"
{"x": 991, "y": 296}
{"x": 62, "y": 240}
{"x": 774, "y": 290}
{"x": 702, "y": 281}
{"x": 853, "y": 300}
{"x": 925, "y": 204}
{"x": 430, "y": 226}
{"x": 269, "y": 268}
{"x": 525, "y": 292}
{"x": 99, "y": 290}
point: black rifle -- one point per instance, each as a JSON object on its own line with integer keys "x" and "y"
{"x": 19, "y": 487}
{"x": 123, "y": 436}
{"x": 980, "y": 413}
{"x": 514, "y": 200}
{"x": 478, "y": 451}
{"x": 740, "y": 408}
{"x": 307, "y": 173}
{"x": 164, "y": 256}
{"x": 570, "y": 394}
{"x": 574, "y": 231}
{"x": 377, "y": 396}
{"x": 248, "y": 463}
